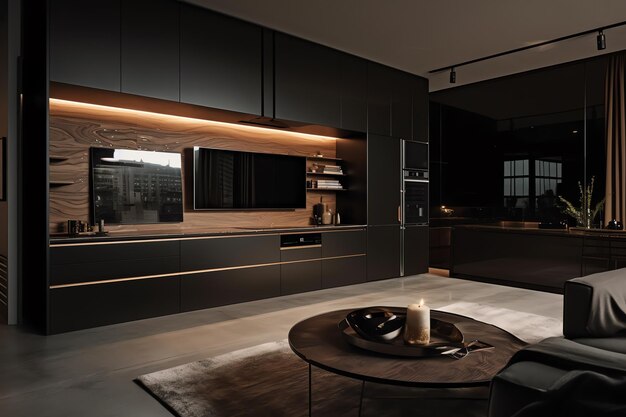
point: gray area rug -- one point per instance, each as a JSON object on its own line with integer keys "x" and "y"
{"x": 269, "y": 380}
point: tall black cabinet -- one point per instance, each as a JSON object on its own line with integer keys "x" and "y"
{"x": 383, "y": 204}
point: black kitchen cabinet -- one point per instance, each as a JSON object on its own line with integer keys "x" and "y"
{"x": 416, "y": 248}
{"x": 307, "y": 77}
{"x": 401, "y": 104}
{"x": 378, "y": 99}
{"x": 353, "y": 90}
{"x": 338, "y": 272}
{"x": 225, "y": 252}
{"x": 220, "y": 61}
{"x": 85, "y": 43}
{"x": 81, "y": 307}
{"x": 420, "y": 109}
{"x": 300, "y": 277}
{"x": 383, "y": 180}
{"x": 349, "y": 242}
{"x": 150, "y": 48}
{"x": 383, "y": 252}
{"x": 218, "y": 288}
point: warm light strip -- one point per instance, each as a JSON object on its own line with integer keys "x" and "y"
{"x": 251, "y": 129}
{"x": 199, "y": 271}
{"x": 301, "y": 247}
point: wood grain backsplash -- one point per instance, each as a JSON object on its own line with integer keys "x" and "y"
{"x": 75, "y": 127}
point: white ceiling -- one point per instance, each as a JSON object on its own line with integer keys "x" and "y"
{"x": 418, "y": 35}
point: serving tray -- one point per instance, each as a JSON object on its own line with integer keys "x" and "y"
{"x": 445, "y": 337}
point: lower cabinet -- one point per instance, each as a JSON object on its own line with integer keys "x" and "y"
{"x": 211, "y": 289}
{"x": 337, "y": 272}
{"x": 416, "y": 240}
{"x": 85, "y": 306}
{"x": 383, "y": 252}
{"x": 300, "y": 277}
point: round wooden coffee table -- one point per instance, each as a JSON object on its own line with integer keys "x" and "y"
{"x": 318, "y": 341}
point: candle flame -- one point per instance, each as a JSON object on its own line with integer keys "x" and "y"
{"x": 421, "y": 303}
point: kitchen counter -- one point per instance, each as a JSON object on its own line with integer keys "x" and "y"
{"x": 195, "y": 233}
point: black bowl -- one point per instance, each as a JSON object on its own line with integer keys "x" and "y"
{"x": 376, "y": 323}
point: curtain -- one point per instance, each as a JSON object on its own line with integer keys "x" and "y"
{"x": 615, "y": 108}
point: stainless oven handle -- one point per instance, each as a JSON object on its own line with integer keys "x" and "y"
{"x": 411, "y": 180}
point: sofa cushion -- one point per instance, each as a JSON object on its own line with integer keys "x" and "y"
{"x": 595, "y": 305}
{"x": 612, "y": 344}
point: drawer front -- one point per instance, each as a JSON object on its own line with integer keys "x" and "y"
{"x": 297, "y": 254}
{"x": 101, "y": 271}
{"x": 300, "y": 277}
{"x": 61, "y": 255}
{"x": 352, "y": 242}
{"x": 226, "y": 252}
{"x": 218, "y": 288}
{"x": 343, "y": 271}
{"x": 97, "y": 305}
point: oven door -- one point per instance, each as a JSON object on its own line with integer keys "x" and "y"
{"x": 415, "y": 155}
{"x": 415, "y": 201}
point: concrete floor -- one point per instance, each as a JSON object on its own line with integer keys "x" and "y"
{"x": 90, "y": 372}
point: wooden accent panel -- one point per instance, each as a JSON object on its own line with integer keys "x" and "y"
{"x": 75, "y": 127}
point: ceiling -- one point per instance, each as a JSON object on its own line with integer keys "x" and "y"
{"x": 418, "y": 36}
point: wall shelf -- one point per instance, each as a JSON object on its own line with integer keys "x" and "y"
{"x": 58, "y": 158}
{"x": 323, "y": 158}
{"x": 326, "y": 189}
{"x": 57, "y": 183}
{"x": 326, "y": 173}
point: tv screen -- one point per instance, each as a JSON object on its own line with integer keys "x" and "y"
{"x": 133, "y": 187}
{"x": 248, "y": 181}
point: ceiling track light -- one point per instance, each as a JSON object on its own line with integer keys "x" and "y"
{"x": 601, "y": 40}
{"x": 452, "y": 75}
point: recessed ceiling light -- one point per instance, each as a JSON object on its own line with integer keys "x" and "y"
{"x": 574, "y": 131}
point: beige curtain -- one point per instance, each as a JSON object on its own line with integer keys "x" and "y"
{"x": 615, "y": 108}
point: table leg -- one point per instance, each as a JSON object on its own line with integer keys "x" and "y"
{"x": 310, "y": 396}
{"x": 361, "y": 397}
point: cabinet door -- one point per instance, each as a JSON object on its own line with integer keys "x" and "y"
{"x": 416, "y": 241}
{"x": 420, "y": 109}
{"x": 401, "y": 105}
{"x": 353, "y": 88}
{"x": 220, "y": 61}
{"x": 306, "y": 81}
{"x": 383, "y": 252}
{"x": 300, "y": 277}
{"x": 383, "y": 180}
{"x": 85, "y": 43}
{"x": 150, "y": 48}
{"x": 343, "y": 271}
{"x": 378, "y": 99}
{"x": 349, "y": 242}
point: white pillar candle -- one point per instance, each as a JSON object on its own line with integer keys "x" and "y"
{"x": 417, "y": 326}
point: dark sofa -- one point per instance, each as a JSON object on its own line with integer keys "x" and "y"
{"x": 581, "y": 374}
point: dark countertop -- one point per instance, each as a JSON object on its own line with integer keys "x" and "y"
{"x": 205, "y": 232}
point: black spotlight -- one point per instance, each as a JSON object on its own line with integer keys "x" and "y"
{"x": 601, "y": 40}
{"x": 452, "y": 76}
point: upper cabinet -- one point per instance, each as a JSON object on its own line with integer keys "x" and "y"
{"x": 420, "y": 109}
{"x": 220, "y": 61}
{"x": 150, "y": 48}
{"x": 397, "y": 103}
{"x": 353, "y": 92}
{"x": 85, "y": 43}
{"x": 307, "y": 77}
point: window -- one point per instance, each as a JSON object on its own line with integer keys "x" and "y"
{"x": 548, "y": 175}
{"x": 516, "y": 183}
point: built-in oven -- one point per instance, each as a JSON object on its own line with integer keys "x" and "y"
{"x": 415, "y": 198}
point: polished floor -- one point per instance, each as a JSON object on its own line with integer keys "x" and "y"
{"x": 90, "y": 372}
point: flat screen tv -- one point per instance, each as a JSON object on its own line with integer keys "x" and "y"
{"x": 234, "y": 180}
{"x": 133, "y": 187}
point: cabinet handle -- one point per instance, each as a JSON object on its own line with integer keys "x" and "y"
{"x": 399, "y": 214}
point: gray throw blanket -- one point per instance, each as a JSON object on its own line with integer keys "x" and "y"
{"x": 607, "y": 312}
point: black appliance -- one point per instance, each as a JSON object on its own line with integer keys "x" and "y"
{"x": 300, "y": 240}
{"x": 133, "y": 187}
{"x": 235, "y": 180}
